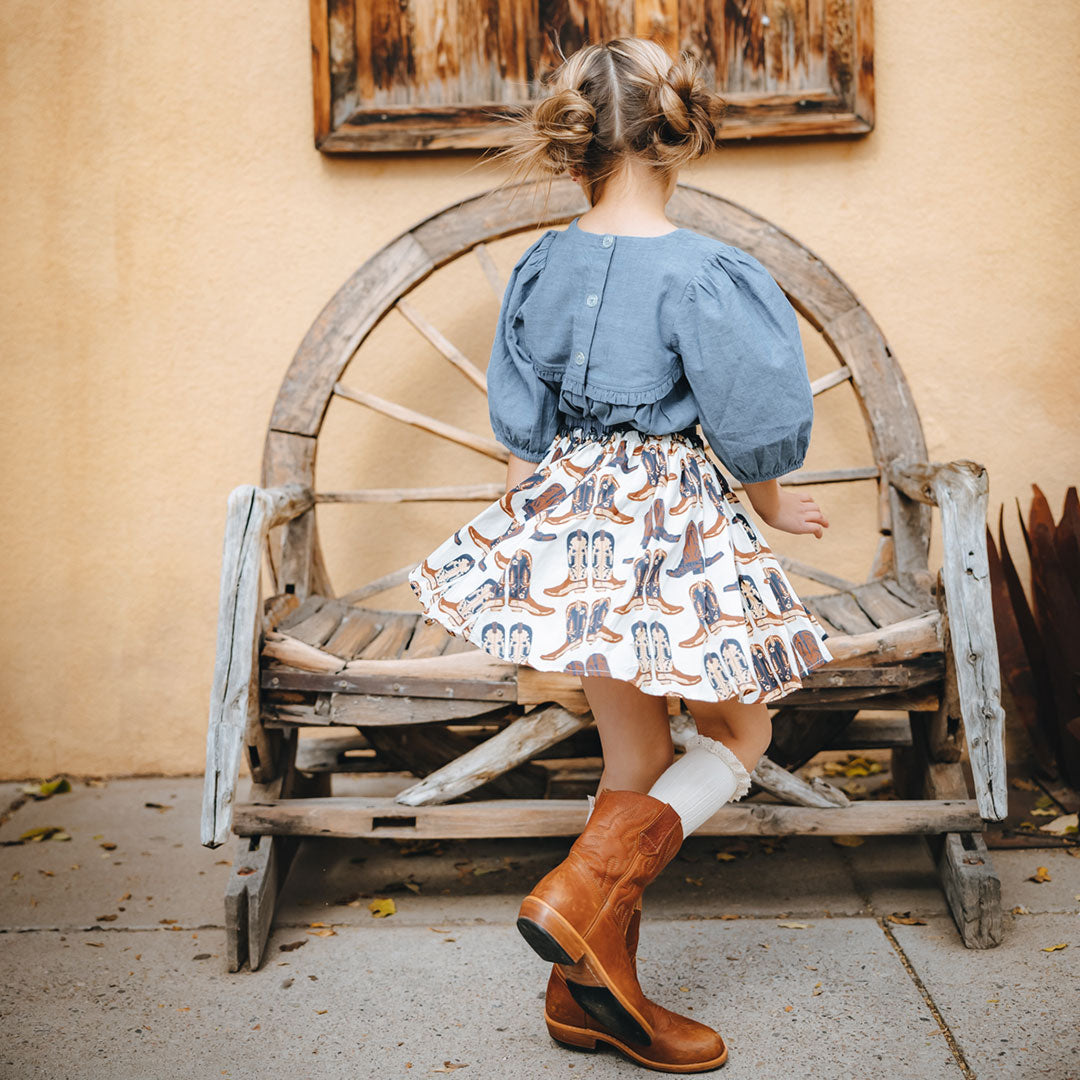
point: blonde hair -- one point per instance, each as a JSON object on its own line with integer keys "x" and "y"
{"x": 612, "y": 100}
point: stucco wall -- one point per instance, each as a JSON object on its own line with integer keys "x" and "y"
{"x": 169, "y": 233}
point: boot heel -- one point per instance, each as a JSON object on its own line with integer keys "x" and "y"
{"x": 548, "y": 934}
{"x": 568, "y": 1036}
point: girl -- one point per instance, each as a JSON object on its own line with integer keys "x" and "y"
{"x": 620, "y": 553}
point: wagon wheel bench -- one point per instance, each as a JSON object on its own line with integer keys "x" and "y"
{"x": 515, "y": 745}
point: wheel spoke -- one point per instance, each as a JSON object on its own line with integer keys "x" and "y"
{"x": 426, "y": 423}
{"x": 827, "y": 476}
{"x": 447, "y": 348}
{"x": 812, "y": 573}
{"x": 452, "y": 493}
{"x": 834, "y": 378}
{"x": 491, "y": 271}
{"x": 387, "y": 581}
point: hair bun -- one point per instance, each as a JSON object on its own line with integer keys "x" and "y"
{"x": 565, "y": 124}
{"x": 690, "y": 114}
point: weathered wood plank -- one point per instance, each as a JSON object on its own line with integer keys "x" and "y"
{"x": 319, "y": 627}
{"x": 843, "y": 611}
{"x": 960, "y": 490}
{"x": 793, "y": 789}
{"x": 234, "y": 695}
{"x": 515, "y": 744}
{"x": 357, "y": 630}
{"x": 882, "y": 606}
{"x": 354, "y": 817}
{"x": 373, "y": 710}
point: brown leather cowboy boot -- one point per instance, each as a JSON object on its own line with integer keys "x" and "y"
{"x": 581, "y": 909}
{"x": 678, "y": 1044}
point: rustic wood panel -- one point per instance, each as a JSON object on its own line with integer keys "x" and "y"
{"x": 392, "y": 75}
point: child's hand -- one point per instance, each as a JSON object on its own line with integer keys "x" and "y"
{"x": 787, "y": 510}
{"x": 797, "y": 513}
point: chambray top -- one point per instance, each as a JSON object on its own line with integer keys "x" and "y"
{"x": 656, "y": 332}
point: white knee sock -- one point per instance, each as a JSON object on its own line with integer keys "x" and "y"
{"x": 701, "y": 781}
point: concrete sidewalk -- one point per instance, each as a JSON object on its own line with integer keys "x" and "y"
{"x": 114, "y": 957}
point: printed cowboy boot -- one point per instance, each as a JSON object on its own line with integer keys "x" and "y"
{"x": 581, "y": 908}
{"x": 678, "y": 1044}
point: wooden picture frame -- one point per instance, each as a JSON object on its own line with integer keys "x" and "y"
{"x": 394, "y": 75}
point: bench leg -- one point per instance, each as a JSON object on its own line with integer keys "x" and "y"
{"x": 262, "y": 864}
{"x": 971, "y": 886}
{"x": 258, "y": 874}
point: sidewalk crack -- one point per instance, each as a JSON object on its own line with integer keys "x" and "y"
{"x": 954, "y": 1046}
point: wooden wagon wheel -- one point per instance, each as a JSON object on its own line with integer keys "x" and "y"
{"x": 400, "y": 681}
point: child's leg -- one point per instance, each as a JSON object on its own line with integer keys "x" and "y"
{"x": 635, "y": 733}
{"x": 716, "y": 767}
{"x": 746, "y": 730}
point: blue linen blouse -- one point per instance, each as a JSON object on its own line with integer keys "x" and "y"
{"x": 658, "y": 332}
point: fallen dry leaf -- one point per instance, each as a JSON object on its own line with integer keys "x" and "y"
{"x": 106, "y": 918}
{"x": 1064, "y": 823}
{"x": 1023, "y": 784}
{"x": 695, "y": 881}
{"x": 167, "y": 922}
{"x": 323, "y": 933}
{"x": 47, "y": 788}
{"x": 1054, "y": 948}
{"x": 906, "y": 918}
{"x": 43, "y": 832}
{"x": 449, "y": 1066}
{"x": 1041, "y": 874}
{"x": 95, "y": 944}
{"x": 108, "y": 845}
{"x": 794, "y": 925}
{"x": 382, "y": 906}
{"x": 126, "y": 896}
{"x": 291, "y": 946}
{"x": 724, "y": 856}
{"x": 848, "y": 841}
{"x": 321, "y": 1012}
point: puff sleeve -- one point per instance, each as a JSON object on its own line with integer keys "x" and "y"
{"x": 742, "y": 355}
{"x": 522, "y": 407}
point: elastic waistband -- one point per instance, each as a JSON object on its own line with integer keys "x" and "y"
{"x": 589, "y": 429}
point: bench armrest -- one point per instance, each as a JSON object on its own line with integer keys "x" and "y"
{"x": 960, "y": 490}
{"x": 234, "y": 698}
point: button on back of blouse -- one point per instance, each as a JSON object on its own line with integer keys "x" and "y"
{"x": 608, "y": 240}
{"x": 591, "y": 299}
